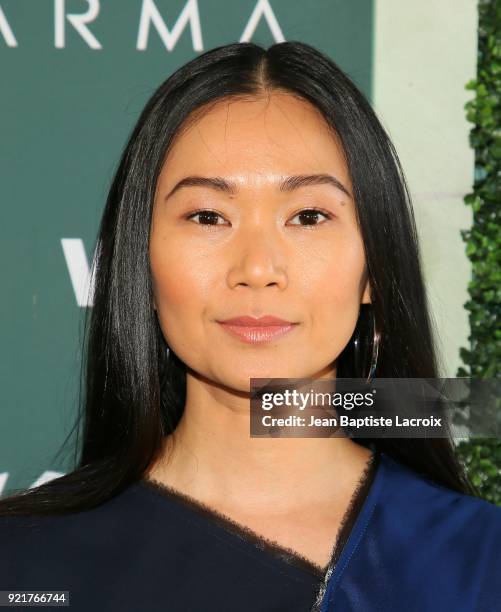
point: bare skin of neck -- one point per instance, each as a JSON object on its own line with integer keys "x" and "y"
{"x": 293, "y": 491}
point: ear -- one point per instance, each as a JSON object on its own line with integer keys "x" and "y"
{"x": 366, "y": 296}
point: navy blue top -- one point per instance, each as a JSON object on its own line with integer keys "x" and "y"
{"x": 412, "y": 546}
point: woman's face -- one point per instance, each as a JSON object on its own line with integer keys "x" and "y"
{"x": 258, "y": 249}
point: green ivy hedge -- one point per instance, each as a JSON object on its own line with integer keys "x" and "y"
{"x": 482, "y": 456}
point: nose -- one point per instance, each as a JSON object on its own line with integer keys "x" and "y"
{"x": 258, "y": 261}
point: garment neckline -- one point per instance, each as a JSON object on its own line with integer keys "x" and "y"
{"x": 334, "y": 573}
{"x": 365, "y": 486}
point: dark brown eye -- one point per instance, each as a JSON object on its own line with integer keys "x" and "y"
{"x": 310, "y": 216}
{"x": 206, "y": 217}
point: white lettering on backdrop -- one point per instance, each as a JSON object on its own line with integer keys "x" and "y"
{"x": 81, "y": 275}
{"x": 149, "y": 15}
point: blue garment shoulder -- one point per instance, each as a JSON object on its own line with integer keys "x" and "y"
{"x": 418, "y": 546}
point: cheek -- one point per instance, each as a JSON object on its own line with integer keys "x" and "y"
{"x": 332, "y": 280}
{"x": 181, "y": 285}
{"x": 334, "y": 270}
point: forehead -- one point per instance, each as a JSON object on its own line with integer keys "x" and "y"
{"x": 254, "y": 141}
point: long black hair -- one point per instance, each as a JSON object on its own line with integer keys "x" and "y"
{"x": 133, "y": 389}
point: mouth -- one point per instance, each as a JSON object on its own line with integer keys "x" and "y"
{"x": 257, "y": 331}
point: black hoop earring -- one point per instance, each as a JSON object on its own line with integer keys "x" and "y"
{"x": 361, "y": 342}
{"x": 167, "y": 349}
{"x": 375, "y": 350}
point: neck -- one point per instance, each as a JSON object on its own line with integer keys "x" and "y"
{"x": 211, "y": 456}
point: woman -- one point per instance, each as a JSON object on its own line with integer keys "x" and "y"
{"x": 257, "y": 184}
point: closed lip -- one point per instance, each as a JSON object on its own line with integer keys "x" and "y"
{"x": 264, "y": 321}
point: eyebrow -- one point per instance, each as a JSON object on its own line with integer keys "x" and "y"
{"x": 286, "y": 184}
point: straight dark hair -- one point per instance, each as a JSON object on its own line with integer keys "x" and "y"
{"x": 132, "y": 394}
